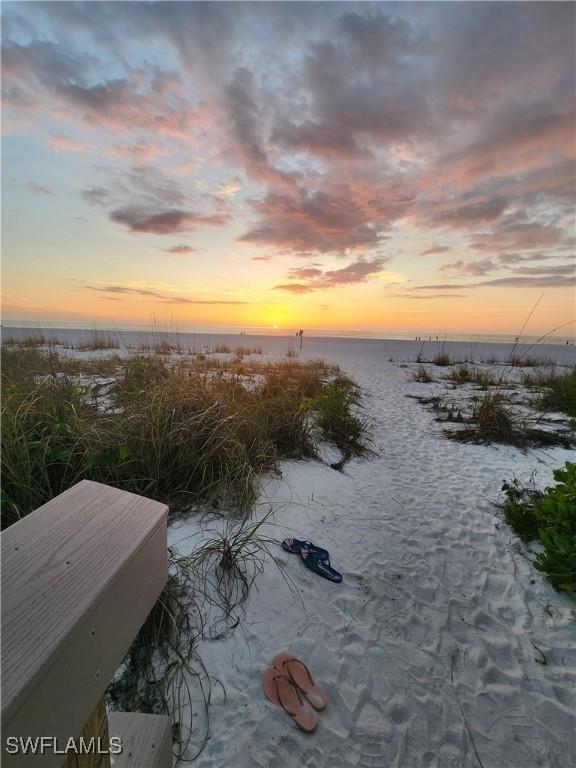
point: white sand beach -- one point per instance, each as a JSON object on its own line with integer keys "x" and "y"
{"x": 442, "y": 646}
{"x": 290, "y": 270}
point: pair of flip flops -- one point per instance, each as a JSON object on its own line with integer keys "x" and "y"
{"x": 289, "y": 684}
{"x": 315, "y": 558}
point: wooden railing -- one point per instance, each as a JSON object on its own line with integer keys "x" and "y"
{"x": 79, "y": 577}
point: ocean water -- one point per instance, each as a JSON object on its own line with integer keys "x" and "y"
{"x": 563, "y": 336}
{"x": 400, "y": 348}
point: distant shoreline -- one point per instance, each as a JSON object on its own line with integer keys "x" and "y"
{"x": 286, "y": 333}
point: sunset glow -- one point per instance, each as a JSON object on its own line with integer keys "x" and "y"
{"x": 375, "y": 166}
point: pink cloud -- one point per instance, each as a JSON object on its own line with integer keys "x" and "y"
{"x": 317, "y": 279}
{"x": 66, "y": 144}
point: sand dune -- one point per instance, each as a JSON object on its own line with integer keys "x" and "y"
{"x": 442, "y": 646}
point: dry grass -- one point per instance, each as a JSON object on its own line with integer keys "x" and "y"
{"x": 421, "y": 374}
{"x": 191, "y": 432}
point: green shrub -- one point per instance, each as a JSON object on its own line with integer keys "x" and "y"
{"x": 519, "y": 509}
{"x": 334, "y": 407}
{"x": 551, "y": 517}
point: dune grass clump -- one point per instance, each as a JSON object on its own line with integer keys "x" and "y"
{"x": 484, "y": 379}
{"x": 30, "y": 340}
{"x": 45, "y": 435}
{"x": 460, "y": 375}
{"x": 525, "y": 361}
{"x": 183, "y": 433}
{"x": 421, "y": 374}
{"x": 550, "y": 517}
{"x": 489, "y": 419}
{"x": 437, "y": 403}
{"x": 493, "y": 420}
{"x": 99, "y": 341}
{"x": 203, "y": 598}
{"x": 163, "y": 348}
{"x": 442, "y": 359}
{"x": 241, "y": 351}
{"x": 24, "y": 366}
{"x": 334, "y": 407}
{"x": 559, "y": 393}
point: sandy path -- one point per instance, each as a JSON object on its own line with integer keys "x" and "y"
{"x": 442, "y": 647}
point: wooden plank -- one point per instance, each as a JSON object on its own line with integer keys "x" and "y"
{"x": 146, "y": 740}
{"x": 79, "y": 577}
{"x": 95, "y": 728}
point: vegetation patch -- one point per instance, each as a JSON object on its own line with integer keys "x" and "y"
{"x": 460, "y": 375}
{"x": 204, "y": 598}
{"x": 442, "y": 359}
{"x": 184, "y": 433}
{"x": 559, "y": 393}
{"x": 484, "y": 379}
{"x": 492, "y": 420}
{"x": 335, "y": 411}
{"x": 549, "y": 517}
{"x": 421, "y": 374}
{"x": 525, "y": 361}
{"x": 488, "y": 418}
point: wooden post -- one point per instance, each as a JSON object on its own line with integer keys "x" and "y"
{"x": 96, "y": 728}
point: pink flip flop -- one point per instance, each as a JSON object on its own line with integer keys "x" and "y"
{"x": 289, "y": 665}
{"x": 281, "y": 691}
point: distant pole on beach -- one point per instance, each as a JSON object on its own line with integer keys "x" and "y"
{"x": 300, "y": 333}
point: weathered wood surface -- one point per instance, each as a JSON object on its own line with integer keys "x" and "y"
{"x": 79, "y": 576}
{"x": 95, "y": 728}
{"x": 146, "y": 740}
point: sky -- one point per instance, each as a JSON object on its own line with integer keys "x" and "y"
{"x": 362, "y": 166}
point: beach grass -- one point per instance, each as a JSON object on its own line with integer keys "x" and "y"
{"x": 484, "y": 379}
{"x": 189, "y": 432}
{"x": 460, "y": 375}
{"x": 185, "y": 433}
{"x": 335, "y": 408}
{"x": 559, "y": 393}
{"x": 492, "y": 419}
{"x": 100, "y": 340}
{"x": 192, "y": 432}
{"x": 203, "y": 599}
{"x": 489, "y": 418}
{"x": 421, "y": 374}
{"x": 442, "y": 359}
